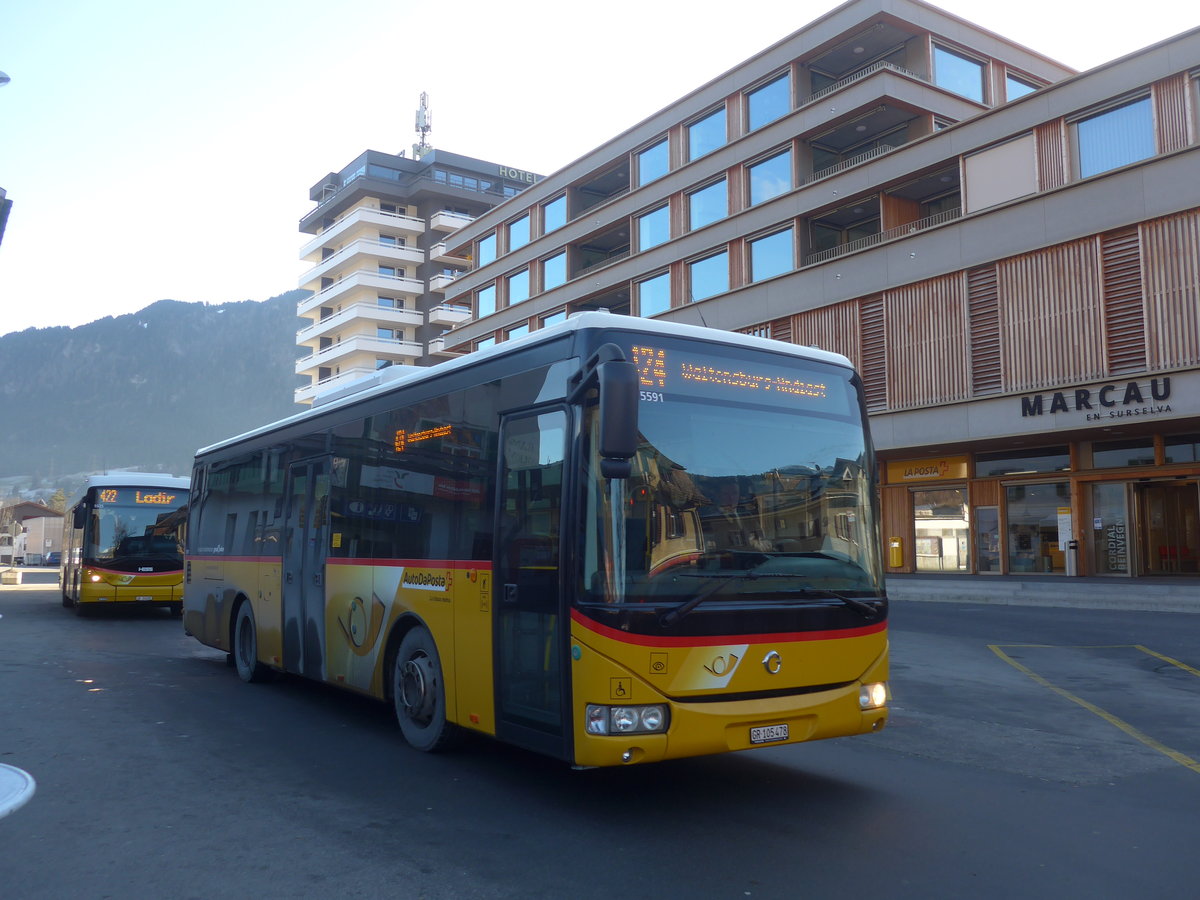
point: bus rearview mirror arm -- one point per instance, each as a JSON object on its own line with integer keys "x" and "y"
{"x": 617, "y": 384}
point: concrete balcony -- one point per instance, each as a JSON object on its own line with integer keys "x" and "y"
{"x": 360, "y": 312}
{"x": 365, "y": 280}
{"x": 437, "y": 347}
{"x": 306, "y": 393}
{"x": 438, "y": 283}
{"x": 449, "y": 315}
{"x": 367, "y": 347}
{"x": 367, "y": 219}
{"x": 443, "y": 220}
{"x": 359, "y": 254}
{"x": 440, "y": 253}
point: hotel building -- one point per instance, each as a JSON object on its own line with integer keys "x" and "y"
{"x": 380, "y": 265}
{"x": 1006, "y": 249}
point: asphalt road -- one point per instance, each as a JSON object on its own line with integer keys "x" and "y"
{"x": 1039, "y": 753}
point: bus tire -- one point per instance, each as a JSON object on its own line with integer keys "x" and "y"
{"x": 419, "y": 693}
{"x": 66, "y": 598}
{"x": 245, "y": 646}
{"x": 176, "y": 610}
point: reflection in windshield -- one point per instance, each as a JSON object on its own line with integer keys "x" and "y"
{"x": 777, "y": 500}
{"x": 131, "y": 533}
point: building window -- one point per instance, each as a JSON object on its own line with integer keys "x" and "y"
{"x": 389, "y": 302}
{"x": 382, "y": 364}
{"x": 1115, "y": 137}
{"x": 516, "y": 332}
{"x": 485, "y": 342}
{"x": 389, "y": 271}
{"x": 1015, "y": 87}
{"x": 1047, "y": 459}
{"x": 706, "y": 135}
{"x": 1181, "y": 448}
{"x": 518, "y": 233}
{"x": 771, "y": 177}
{"x": 487, "y": 249}
{"x": 554, "y": 271}
{"x": 554, "y": 214}
{"x": 941, "y": 530}
{"x": 654, "y": 228}
{"x": 518, "y": 287}
{"x": 772, "y": 255}
{"x": 654, "y": 295}
{"x": 388, "y": 240}
{"x": 1034, "y": 514}
{"x": 707, "y": 205}
{"x": 485, "y": 301}
{"x": 1112, "y": 454}
{"x": 385, "y": 334}
{"x": 958, "y": 73}
{"x": 652, "y": 163}
{"x": 708, "y": 277}
{"x": 554, "y": 318}
{"x": 769, "y": 102}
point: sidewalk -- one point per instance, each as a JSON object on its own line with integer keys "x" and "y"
{"x": 1150, "y": 594}
{"x": 28, "y": 579}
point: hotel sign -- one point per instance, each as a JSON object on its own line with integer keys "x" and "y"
{"x": 1109, "y": 402}
{"x": 937, "y": 469}
{"x": 517, "y": 174}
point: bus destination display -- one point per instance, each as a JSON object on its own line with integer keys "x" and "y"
{"x": 135, "y": 497}
{"x": 665, "y": 371}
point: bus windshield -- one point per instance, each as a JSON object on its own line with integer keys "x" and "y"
{"x": 748, "y": 497}
{"x": 135, "y": 534}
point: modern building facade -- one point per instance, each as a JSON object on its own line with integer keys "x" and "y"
{"x": 1009, "y": 252}
{"x": 380, "y": 267}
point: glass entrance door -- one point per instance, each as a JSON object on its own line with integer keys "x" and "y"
{"x": 1110, "y": 530}
{"x": 1170, "y": 514}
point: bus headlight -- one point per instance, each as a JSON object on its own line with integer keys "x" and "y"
{"x": 625, "y": 719}
{"x": 873, "y": 696}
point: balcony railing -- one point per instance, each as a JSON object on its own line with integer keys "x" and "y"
{"x": 360, "y": 278}
{"x": 890, "y": 234}
{"x": 364, "y": 247}
{"x": 860, "y": 75}
{"x": 848, "y": 163}
{"x": 370, "y": 312}
{"x": 449, "y": 314}
{"x": 444, "y": 220}
{"x": 363, "y": 215}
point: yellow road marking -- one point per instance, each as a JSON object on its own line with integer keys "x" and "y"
{"x": 1173, "y": 662}
{"x": 1181, "y": 758}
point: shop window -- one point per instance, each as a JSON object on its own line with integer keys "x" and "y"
{"x": 1180, "y": 448}
{"x": 1045, "y": 459}
{"x": 1114, "y": 454}
{"x": 1035, "y": 514}
{"x": 941, "y": 530}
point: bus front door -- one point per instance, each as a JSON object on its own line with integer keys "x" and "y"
{"x": 306, "y": 542}
{"x": 530, "y": 621}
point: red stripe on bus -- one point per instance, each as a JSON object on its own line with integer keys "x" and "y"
{"x": 716, "y": 640}
{"x": 426, "y": 563}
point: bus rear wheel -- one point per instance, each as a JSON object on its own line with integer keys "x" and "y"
{"x": 419, "y": 693}
{"x": 245, "y": 646}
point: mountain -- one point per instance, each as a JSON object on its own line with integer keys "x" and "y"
{"x": 144, "y": 390}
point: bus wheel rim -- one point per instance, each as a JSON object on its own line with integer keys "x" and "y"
{"x": 416, "y": 680}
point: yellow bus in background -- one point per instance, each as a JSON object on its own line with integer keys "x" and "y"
{"x": 123, "y": 542}
{"x": 612, "y": 541}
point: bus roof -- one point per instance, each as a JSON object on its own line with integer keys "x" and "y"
{"x": 388, "y": 379}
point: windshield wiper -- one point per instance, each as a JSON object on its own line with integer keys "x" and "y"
{"x": 863, "y": 608}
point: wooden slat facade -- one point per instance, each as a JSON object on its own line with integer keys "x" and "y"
{"x": 1171, "y": 275}
{"x": 1171, "y": 113}
{"x": 1124, "y": 310}
{"x": 983, "y": 311}
{"x": 874, "y": 353}
{"x": 1050, "y": 316}
{"x": 834, "y": 328}
{"x": 926, "y": 343}
{"x": 1051, "y": 154}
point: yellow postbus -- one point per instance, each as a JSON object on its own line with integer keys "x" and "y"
{"x": 123, "y": 542}
{"x": 612, "y": 541}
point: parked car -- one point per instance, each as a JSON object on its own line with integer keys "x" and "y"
{"x": 53, "y": 558}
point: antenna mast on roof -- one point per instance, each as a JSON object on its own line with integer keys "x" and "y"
{"x": 424, "y": 125}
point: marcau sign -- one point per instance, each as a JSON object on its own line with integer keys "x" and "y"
{"x": 1118, "y": 400}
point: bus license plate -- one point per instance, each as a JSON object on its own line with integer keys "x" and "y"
{"x": 144, "y": 597}
{"x": 767, "y": 734}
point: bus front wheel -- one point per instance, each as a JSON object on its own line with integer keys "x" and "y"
{"x": 245, "y": 646}
{"x": 419, "y": 693}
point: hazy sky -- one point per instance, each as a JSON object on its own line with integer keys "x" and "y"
{"x": 156, "y": 149}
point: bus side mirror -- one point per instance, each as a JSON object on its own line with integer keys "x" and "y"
{"x": 78, "y": 517}
{"x": 618, "y": 383}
